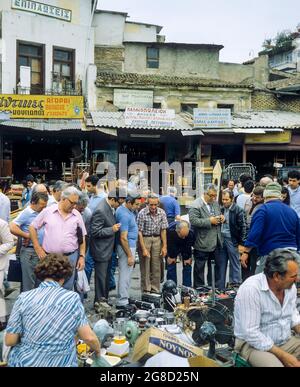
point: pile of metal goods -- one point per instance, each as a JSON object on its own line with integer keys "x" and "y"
{"x": 192, "y": 318}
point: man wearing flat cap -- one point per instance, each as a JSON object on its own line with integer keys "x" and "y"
{"x": 274, "y": 225}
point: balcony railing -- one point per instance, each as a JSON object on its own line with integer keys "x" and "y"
{"x": 42, "y": 91}
{"x": 59, "y": 86}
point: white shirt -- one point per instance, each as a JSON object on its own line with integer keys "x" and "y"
{"x": 4, "y": 207}
{"x": 241, "y": 200}
{"x": 259, "y": 318}
{"x": 209, "y": 208}
{"x": 51, "y": 200}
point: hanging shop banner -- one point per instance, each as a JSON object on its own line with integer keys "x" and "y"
{"x": 150, "y": 118}
{"x": 212, "y": 118}
{"x": 41, "y": 106}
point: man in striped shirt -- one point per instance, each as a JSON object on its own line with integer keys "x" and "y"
{"x": 265, "y": 313}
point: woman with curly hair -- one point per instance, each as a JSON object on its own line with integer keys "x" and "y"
{"x": 44, "y": 322}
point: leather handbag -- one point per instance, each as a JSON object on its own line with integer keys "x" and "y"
{"x": 14, "y": 271}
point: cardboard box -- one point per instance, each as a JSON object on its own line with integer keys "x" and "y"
{"x": 154, "y": 340}
{"x": 202, "y": 361}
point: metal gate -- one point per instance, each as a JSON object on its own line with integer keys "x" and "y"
{"x": 234, "y": 171}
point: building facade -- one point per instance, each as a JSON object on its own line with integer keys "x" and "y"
{"x": 46, "y": 49}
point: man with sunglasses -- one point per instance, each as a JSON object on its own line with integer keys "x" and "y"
{"x": 206, "y": 218}
{"x": 64, "y": 232}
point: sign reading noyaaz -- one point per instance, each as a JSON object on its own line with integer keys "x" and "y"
{"x": 42, "y": 9}
{"x": 41, "y": 106}
{"x": 150, "y": 118}
{"x": 212, "y": 118}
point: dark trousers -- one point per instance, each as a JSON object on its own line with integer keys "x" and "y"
{"x": 251, "y": 265}
{"x": 102, "y": 274}
{"x": 186, "y": 274}
{"x": 201, "y": 257}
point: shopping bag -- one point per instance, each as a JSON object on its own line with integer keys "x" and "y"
{"x": 14, "y": 271}
{"x": 82, "y": 283}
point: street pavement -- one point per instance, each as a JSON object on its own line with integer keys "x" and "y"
{"x": 135, "y": 289}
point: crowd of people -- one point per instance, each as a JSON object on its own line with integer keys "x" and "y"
{"x": 64, "y": 230}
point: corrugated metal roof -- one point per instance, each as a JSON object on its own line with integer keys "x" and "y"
{"x": 117, "y": 120}
{"x": 266, "y": 119}
{"x": 45, "y": 125}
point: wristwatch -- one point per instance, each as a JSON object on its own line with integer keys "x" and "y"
{"x": 81, "y": 255}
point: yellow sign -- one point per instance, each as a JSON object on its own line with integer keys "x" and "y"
{"x": 41, "y": 106}
{"x": 274, "y": 138}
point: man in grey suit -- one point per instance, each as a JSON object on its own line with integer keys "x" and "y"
{"x": 102, "y": 242}
{"x": 206, "y": 218}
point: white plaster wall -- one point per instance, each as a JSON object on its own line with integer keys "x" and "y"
{"x": 135, "y": 32}
{"x": 109, "y": 29}
{"x": 29, "y": 27}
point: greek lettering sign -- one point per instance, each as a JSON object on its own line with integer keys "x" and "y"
{"x": 133, "y": 98}
{"x": 42, "y": 9}
{"x": 41, "y": 106}
{"x": 270, "y": 138}
{"x": 212, "y": 118}
{"x": 150, "y": 118}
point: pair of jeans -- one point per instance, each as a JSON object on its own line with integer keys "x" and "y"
{"x": 89, "y": 265}
{"x": 125, "y": 272}
{"x": 230, "y": 253}
{"x": 186, "y": 273}
{"x": 29, "y": 260}
{"x": 73, "y": 258}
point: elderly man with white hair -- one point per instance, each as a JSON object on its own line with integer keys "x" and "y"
{"x": 64, "y": 232}
{"x": 170, "y": 205}
{"x": 180, "y": 240}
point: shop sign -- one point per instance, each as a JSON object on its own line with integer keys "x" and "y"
{"x": 133, "y": 98}
{"x": 150, "y": 118}
{"x": 41, "y": 106}
{"x": 212, "y": 118}
{"x": 42, "y": 9}
{"x": 274, "y": 138}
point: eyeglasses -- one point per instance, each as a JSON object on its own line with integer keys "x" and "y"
{"x": 72, "y": 203}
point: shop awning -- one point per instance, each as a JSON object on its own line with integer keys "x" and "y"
{"x": 45, "y": 125}
{"x": 117, "y": 120}
{"x": 266, "y": 119}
